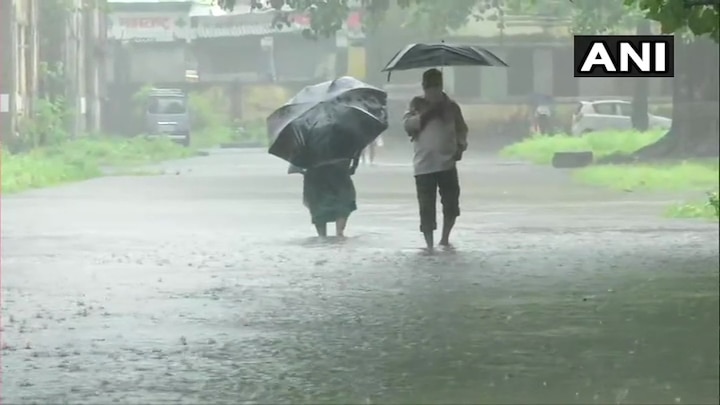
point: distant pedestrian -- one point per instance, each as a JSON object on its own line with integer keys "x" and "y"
{"x": 438, "y": 131}
{"x": 368, "y": 154}
{"x": 542, "y": 114}
{"x": 329, "y": 194}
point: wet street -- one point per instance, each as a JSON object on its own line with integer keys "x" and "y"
{"x": 205, "y": 285}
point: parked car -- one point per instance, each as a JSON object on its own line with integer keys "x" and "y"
{"x": 167, "y": 115}
{"x": 602, "y": 115}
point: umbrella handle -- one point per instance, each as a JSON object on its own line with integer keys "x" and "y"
{"x": 442, "y": 60}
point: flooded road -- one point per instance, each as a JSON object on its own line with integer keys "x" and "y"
{"x": 204, "y": 285}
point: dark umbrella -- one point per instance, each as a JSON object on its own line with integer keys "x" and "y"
{"x": 416, "y": 56}
{"x": 328, "y": 121}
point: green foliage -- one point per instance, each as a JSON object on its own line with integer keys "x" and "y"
{"x": 677, "y": 16}
{"x": 139, "y": 101}
{"x": 81, "y": 159}
{"x": 584, "y": 16}
{"x": 210, "y": 115}
{"x": 45, "y": 126}
{"x": 603, "y": 16}
{"x": 52, "y": 77}
{"x": 540, "y": 149}
{"x": 212, "y": 123}
{"x": 714, "y": 202}
{"x": 709, "y": 209}
{"x": 209, "y": 109}
{"x": 589, "y": 16}
{"x": 327, "y": 16}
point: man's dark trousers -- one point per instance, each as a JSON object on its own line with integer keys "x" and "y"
{"x": 427, "y": 186}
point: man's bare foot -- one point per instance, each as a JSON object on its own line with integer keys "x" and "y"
{"x": 429, "y": 240}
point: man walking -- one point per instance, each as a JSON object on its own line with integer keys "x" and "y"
{"x": 438, "y": 131}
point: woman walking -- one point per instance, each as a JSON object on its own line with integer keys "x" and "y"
{"x": 329, "y": 194}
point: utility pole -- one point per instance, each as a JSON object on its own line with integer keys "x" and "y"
{"x": 74, "y": 62}
{"x": 20, "y": 32}
{"x": 71, "y": 94}
{"x": 33, "y": 53}
{"x": 95, "y": 32}
{"x": 8, "y": 47}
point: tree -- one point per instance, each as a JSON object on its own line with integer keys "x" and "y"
{"x": 696, "y": 24}
{"x": 695, "y": 87}
{"x": 603, "y": 17}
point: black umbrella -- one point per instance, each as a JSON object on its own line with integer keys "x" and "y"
{"x": 416, "y": 56}
{"x": 328, "y": 121}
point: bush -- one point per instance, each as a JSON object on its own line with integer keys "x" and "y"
{"x": 140, "y": 102}
{"x": 714, "y": 202}
{"x": 211, "y": 119}
{"x": 46, "y": 126}
{"x": 540, "y": 149}
{"x": 209, "y": 109}
{"x": 709, "y": 209}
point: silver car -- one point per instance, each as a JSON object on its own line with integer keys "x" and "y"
{"x": 167, "y": 115}
{"x": 603, "y": 115}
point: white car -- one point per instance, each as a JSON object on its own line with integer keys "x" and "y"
{"x": 603, "y": 115}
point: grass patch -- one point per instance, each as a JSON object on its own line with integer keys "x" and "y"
{"x": 80, "y": 160}
{"x": 709, "y": 209}
{"x": 696, "y": 175}
{"x": 247, "y": 133}
{"x": 540, "y": 149}
{"x": 684, "y": 176}
{"x": 85, "y": 158}
{"x": 211, "y": 137}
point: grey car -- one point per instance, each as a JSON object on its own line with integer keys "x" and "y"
{"x": 167, "y": 115}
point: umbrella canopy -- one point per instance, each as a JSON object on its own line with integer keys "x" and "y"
{"x": 327, "y": 121}
{"x": 416, "y": 56}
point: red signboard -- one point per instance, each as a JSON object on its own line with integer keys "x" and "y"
{"x": 354, "y": 20}
{"x": 165, "y": 23}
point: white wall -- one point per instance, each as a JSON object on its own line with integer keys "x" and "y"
{"x": 543, "y": 71}
{"x": 493, "y": 80}
{"x": 156, "y": 63}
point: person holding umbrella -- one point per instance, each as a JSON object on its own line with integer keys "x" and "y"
{"x": 329, "y": 194}
{"x": 321, "y": 132}
{"x": 438, "y": 131}
{"x": 437, "y": 128}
